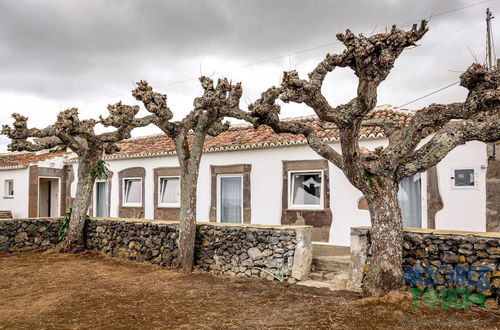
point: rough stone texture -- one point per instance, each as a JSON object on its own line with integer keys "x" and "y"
{"x": 282, "y": 252}
{"x": 433, "y": 248}
{"x": 252, "y": 251}
{"x": 28, "y": 235}
{"x": 434, "y": 200}
{"x": 359, "y": 255}
{"x": 303, "y": 254}
{"x": 493, "y": 188}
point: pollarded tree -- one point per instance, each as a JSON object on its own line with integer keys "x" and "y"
{"x": 188, "y": 134}
{"x": 78, "y": 135}
{"x": 377, "y": 173}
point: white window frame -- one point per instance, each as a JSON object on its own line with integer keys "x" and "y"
{"x": 168, "y": 205}
{"x": 219, "y": 177}
{"x": 452, "y": 177}
{"x": 94, "y": 210}
{"x": 293, "y": 206}
{"x": 124, "y": 203}
{"x": 6, "y": 188}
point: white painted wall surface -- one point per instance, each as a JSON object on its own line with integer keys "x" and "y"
{"x": 57, "y": 162}
{"x": 463, "y": 208}
{"x": 19, "y": 204}
{"x": 266, "y": 187}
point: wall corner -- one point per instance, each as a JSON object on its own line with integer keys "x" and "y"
{"x": 359, "y": 256}
{"x": 302, "y": 258}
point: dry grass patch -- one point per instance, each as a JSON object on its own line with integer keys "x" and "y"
{"x": 57, "y": 291}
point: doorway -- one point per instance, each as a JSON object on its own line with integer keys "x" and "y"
{"x": 230, "y": 198}
{"x": 48, "y": 197}
{"x": 101, "y": 199}
{"x": 410, "y": 200}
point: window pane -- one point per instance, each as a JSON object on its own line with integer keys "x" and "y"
{"x": 464, "y": 178}
{"x": 306, "y": 189}
{"x": 132, "y": 191}
{"x": 169, "y": 190}
{"x": 10, "y": 188}
{"x": 230, "y": 199}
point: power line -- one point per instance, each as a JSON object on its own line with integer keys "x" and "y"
{"x": 292, "y": 53}
{"x": 431, "y": 93}
{"x": 445, "y": 12}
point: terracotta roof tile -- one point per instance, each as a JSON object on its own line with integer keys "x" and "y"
{"x": 21, "y": 159}
{"x": 245, "y": 137}
{"x": 238, "y": 137}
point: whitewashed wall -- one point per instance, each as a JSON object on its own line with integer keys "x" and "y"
{"x": 464, "y": 208}
{"x": 19, "y": 204}
{"x": 266, "y": 187}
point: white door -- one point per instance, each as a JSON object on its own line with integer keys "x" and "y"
{"x": 48, "y": 197}
{"x": 101, "y": 199}
{"x": 410, "y": 200}
{"x": 230, "y": 198}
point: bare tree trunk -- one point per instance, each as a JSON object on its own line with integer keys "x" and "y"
{"x": 75, "y": 241}
{"x": 385, "y": 272}
{"x": 187, "y": 220}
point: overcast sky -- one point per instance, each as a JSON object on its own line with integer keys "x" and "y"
{"x": 87, "y": 54}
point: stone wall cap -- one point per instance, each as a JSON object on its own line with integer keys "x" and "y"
{"x": 364, "y": 229}
{"x": 205, "y": 223}
{"x": 33, "y": 218}
{"x": 171, "y": 222}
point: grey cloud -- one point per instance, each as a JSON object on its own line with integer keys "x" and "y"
{"x": 74, "y": 50}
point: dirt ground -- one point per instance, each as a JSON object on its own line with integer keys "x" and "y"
{"x": 55, "y": 291}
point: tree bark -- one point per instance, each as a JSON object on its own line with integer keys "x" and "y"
{"x": 385, "y": 272}
{"x": 187, "y": 220}
{"x": 75, "y": 241}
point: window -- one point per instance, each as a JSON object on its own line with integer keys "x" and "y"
{"x": 132, "y": 192}
{"x": 9, "y": 188}
{"x": 463, "y": 178}
{"x": 230, "y": 198}
{"x": 170, "y": 191}
{"x": 306, "y": 190}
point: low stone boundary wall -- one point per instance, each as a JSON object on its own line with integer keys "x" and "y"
{"x": 28, "y": 235}
{"x": 439, "y": 259}
{"x": 282, "y": 252}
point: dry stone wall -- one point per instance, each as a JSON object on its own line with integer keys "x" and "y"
{"x": 279, "y": 252}
{"x": 28, "y": 235}
{"x": 439, "y": 259}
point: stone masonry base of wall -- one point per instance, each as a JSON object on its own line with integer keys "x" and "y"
{"x": 456, "y": 256}
{"x": 271, "y": 252}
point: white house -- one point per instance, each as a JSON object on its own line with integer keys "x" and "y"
{"x": 254, "y": 176}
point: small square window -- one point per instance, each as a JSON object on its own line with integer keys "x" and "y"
{"x": 306, "y": 190}
{"x": 132, "y": 192}
{"x": 169, "y": 194}
{"x": 464, "y": 178}
{"x": 9, "y": 188}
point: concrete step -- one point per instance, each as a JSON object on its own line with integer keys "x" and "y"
{"x": 338, "y": 263}
{"x": 330, "y": 250}
{"x": 326, "y": 275}
{"x": 330, "y": 281}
